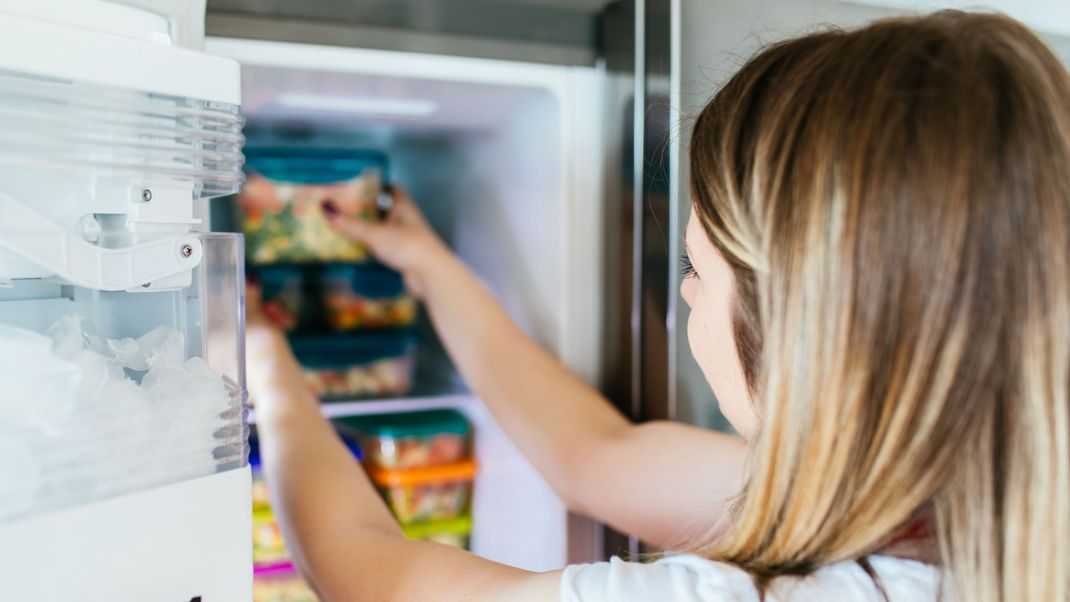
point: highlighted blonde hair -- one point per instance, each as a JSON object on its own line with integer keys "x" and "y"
{"x": 895, "y": 204}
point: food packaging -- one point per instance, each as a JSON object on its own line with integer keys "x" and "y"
{"x": 411, "y": 439}
{"x": 426, "y": 494}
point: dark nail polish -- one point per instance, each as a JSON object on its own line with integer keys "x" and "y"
{"x": 330, "y": 209}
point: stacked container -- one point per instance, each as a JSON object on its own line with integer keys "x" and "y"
{"x": 275, "y": 577}
{"x": 421, "y": 463}
{"x": 349, "y": 319}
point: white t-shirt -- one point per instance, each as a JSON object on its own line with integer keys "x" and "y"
{"x": 690, "y": 578}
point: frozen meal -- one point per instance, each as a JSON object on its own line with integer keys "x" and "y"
{"x": 357, "y": 365}
{"x": 411, "y": 439}
{"x": 286, "y": 190}
{"x": 365, "y": 297}
{"x": 419, "y": 495}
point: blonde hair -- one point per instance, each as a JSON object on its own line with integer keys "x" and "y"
{"x": 895, "y": 204}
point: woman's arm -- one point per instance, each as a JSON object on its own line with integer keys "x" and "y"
{"x": 662, "y": 482}
{"x": 342, "y": 536}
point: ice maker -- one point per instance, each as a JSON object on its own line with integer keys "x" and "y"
{"x": 123, "y": 458}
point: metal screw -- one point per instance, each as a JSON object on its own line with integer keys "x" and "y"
{"x": 146, "y": 285}
{"x": 146, "y": 195}
{"x": 187, "y": 250}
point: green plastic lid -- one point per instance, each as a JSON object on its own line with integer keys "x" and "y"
{"x": 425, "y": 423}
{"x": 462, "y": 525}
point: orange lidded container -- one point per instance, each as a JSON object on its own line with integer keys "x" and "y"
{"x": 430, "y": 493}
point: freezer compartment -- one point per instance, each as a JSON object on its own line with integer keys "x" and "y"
{"x": 109, "y": 393}
{"x": 505, "y": 161}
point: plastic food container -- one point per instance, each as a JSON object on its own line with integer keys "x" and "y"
{"x": 426, "y": 494}
{"x": 281, "y": 203}
{"x": 280, "y": 583}
{"x": 412, "y": 439}
{"x": 268, "y": 546}
{"x": 365, "y": 297}
{"x": 282, "y": 289}
{"x": 358, "y": 365}
{"x": 454, "y": 532}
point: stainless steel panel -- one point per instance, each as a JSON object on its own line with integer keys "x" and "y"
{"x": 635, "y": 46}
{"x": 546, "y": 31}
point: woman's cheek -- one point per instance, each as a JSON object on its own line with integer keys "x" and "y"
{"x": 689, "y": 290}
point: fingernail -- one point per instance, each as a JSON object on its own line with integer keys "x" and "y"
{"x": 252, "y": 279}
{"x": 329, "y": 208}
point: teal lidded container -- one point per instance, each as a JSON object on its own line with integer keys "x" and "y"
{"x": 411, "y": 439}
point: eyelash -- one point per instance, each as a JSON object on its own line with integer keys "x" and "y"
{"x": 686, "y": 268}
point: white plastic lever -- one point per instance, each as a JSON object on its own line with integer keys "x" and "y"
{"x": 39, "y": 239}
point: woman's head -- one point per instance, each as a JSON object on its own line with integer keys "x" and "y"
{"x": 893, "y": 205}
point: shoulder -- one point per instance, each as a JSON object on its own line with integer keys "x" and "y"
{"x": 690, "y": 578}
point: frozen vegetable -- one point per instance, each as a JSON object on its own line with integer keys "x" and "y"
{"x": 284, "y": 221}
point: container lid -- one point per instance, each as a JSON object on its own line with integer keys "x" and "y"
{"x": 442, "y": 473}
{"x": 336, "y": 351}
{"x": 283, "y": 568}
{"x": 372, "y": 280}
{"x": 311, "y": 165}
{"x": 461, "y": 525}
{"x": 426, "y": 423}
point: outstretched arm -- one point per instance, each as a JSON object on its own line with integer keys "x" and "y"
{"x": 342, "y": 536}
{"x": 662, "y": 482}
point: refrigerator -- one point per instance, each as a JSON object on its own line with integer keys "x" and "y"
{"x": 546, "y": 141}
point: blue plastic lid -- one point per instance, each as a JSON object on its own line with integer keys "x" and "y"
{"x": 372, "y": 281}
{"x": 312, "y": 165}
{"x": 339, "y": 351}
{"x": 275, "y": 278}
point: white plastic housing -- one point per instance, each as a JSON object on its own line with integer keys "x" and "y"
{"x": 187, "y": 541}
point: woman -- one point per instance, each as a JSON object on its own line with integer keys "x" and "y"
{"x": 880, "y": 289}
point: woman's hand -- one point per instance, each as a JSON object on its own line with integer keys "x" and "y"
{"x": 270, "y": 364}
{"x": 403, "y": 240}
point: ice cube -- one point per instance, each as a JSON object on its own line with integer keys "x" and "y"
{"x": 39, "y": 387}
{"x": 160, "y": 347}
{"x": 68, "y": 336}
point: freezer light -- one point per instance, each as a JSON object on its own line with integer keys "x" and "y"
{"x": 359, "y": 105}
